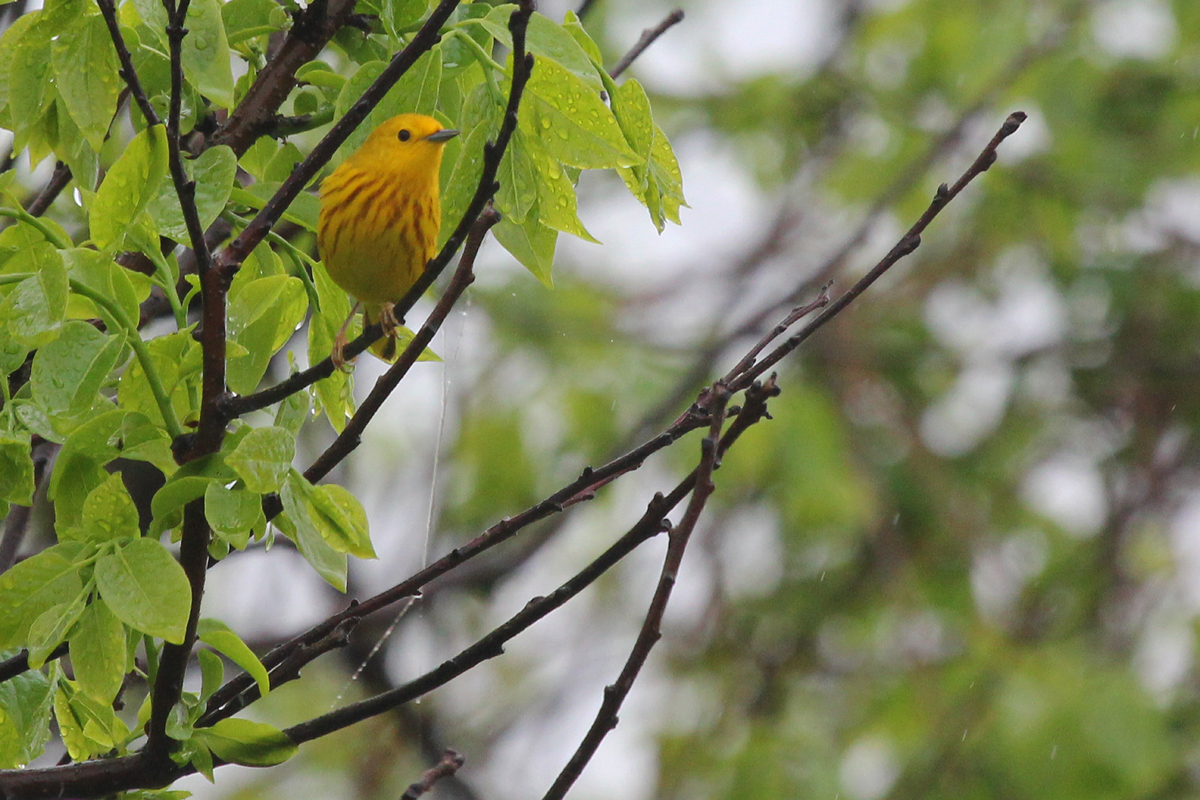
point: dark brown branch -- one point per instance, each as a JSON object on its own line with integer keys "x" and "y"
{"x": 128, "y": 73}
{"x": 451, "y": 763}
{"x": 493, "y": 153}
{"x": 14, "y": 666}
{"x": 491, "y": 645}
{"x": 464, "y": 276}
{"x": 650, "y": 633}
{"x": 645, "y": 40}
{"x": 791, "y": 319}
{"x": 193, "y": 557}
{"x": 50, "y": 192}
{"x": 219, "y": 705}
{"x": 312, "y": 30}
{"x": 193, "y": 552}
{"x": 907, "y": 244}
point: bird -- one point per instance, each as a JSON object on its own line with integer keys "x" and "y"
{"x": 380, "y": 215}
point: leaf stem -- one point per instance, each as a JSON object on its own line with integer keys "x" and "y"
{"x": 50, "y": 234}
{"x": 140, "y": 350}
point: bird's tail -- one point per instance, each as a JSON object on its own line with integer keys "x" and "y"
{"x": 384, "y": 348}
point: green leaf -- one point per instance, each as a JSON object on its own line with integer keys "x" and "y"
{"x": 573, "y": 26}
{"x": 570, "y": 122}
{"x": 335, "y": 393}
{"x": 333, "y": 513}
{"x": 329, "y": 563}
{"x": 27, "y": 589}
{"x": 214, "y": 173}
{"x": 293, "y": 412}
{"x": 98, "y": 652}
{"x": 263, "y": 315}
{"x": 30, "y": 87}
{"x": 257, "y": 156}
{"x": 76, "y": 151}
{"x": 262, "y": 459}
{"x": 464, "y": 180}
{"x": 177, "y": 360}
{"x": 190, "y": 482}
{"x": 252, "y": 744}
{"x": 212, "y": 672}
{"x": 397, "y": 15}
{"x": 86, "y": 75}
{"x": 146, "y": 588}
{"x": 34, "y": 308}
{"x": 142, "y": 440}
{"x": 9, "y": 42}
{"x": 49, "y": 629}
{"x": 245, "y": 19}
{"x": 26, "y": 701}
{"x": 99, "y": 272}
{"x": 128, "y": 188}
{"x": 547, "y": 40}
{"x": 531, "y": 243}
{"x": 88, "y": 726}
{"x": 79, "y": 467}
{"x": 304, "y": 210}
{"x": 234, "y": 514}
{"x": 205, "y": 51}
{"x": 221, "y": 638}
{"x": 16, "y": 469}
{"x": 556, "y": 202}
{"x": 109, "y": 513}
{"x": 658, "y": 182}
{"x": 518, "y": 180}
{"x": 68, "y": 372}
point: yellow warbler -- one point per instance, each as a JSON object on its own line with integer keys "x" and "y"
{"x": 380, "y": 215}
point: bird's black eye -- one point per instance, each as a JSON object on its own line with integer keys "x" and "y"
{"x": 404, "y": 135}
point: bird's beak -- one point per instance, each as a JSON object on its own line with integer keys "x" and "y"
{"x": 444, "y": 135}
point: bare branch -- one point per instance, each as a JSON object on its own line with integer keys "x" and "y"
{"x": 109, "y": 12}
{"x": 645, "y": 40}
{"x": 907, "y": 244}
{"x": 615, "y": 693}
{"x": 451, "y": 763}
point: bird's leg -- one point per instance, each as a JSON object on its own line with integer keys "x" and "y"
{"x": 387, "y": 319}
{"x": 338, "y": 356}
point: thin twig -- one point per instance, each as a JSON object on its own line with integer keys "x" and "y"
{"x": 109, "y": 12}
{"x": 311, "y": 31}
{"x": 495, "y": 535}
{"x": 791, "y": 319}
{"x": 907, "y": 244}
{"x": 650, "y": 633}
{"x": 50, "y": 192}
{"x": 645, "y": 40}
{"x": 451, "y": 763}
{"x": 699, "y": 371}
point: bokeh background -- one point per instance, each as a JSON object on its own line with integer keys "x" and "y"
{"x": 962, "y": 561}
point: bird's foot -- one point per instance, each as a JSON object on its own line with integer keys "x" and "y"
{"x": 388, "y": 321}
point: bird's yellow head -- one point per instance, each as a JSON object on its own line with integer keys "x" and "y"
{"x": 408, "y": 142}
